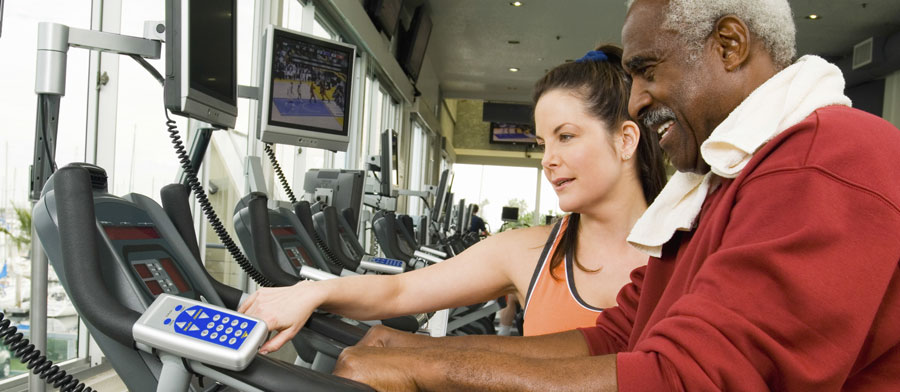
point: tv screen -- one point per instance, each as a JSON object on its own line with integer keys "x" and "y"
{"x": 510, "y": 214}
{"x": 201, "y": 60}
{"x": 385, "y": 14}
{"x": 388, "y": 165}
{"x": 411, "y": 52}
{"x": 307, "y": 82}
{"x": 512, "y": 133}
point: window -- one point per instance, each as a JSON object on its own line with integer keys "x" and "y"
{"x": 17, "y": 97}
{"x": 495, "y": 187}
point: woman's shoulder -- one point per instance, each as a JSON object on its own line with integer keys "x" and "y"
{"x": 527, "y": 236}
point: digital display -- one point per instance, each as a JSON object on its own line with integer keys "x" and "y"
{"x": 176, "y": 277}
{"x": 310, "y": 84}
{"x": 283, "y": 231}
{"x": 131, "y": 232}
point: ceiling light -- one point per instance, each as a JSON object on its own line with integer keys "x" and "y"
{"x": 516, "y": 3}
{"x": 812, "y": 16}
{"x": 513, "y": 69}
{"x": 513, "y": 42}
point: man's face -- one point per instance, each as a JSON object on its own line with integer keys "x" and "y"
{"x": 671, "y": 94}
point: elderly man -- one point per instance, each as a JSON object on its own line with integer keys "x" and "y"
{"x": 774, "y": 250}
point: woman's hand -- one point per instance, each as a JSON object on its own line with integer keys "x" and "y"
{"x": 284, "y": 309}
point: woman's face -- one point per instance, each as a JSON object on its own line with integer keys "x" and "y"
{"x": 580, "y": 160}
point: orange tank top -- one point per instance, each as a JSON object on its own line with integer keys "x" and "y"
{"x": 553, "y": 304}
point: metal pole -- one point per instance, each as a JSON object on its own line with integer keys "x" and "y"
{"x": 38, "y": 309}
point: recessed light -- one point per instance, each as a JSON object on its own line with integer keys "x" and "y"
{"x": 513, "y": 42}
{"x": 516, "y": 3}
{"x": 813, "y": 17}
{"x": 513, "y": 69}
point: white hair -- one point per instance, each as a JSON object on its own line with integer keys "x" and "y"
{"x": 770, "y": 20}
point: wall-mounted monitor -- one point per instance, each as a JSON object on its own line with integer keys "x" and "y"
{"x": 201, "y": 60}
{"x": 510, "y": 214}
{"x": 345, "y": 188}
{"x": 440, "y": 195}
{"x": 512, "y": 133}
{"x": 411, "y": 50}
{"x": 306, "y": 85}
{"x": 388, "y": 164}
{"x": 385, "y": 14}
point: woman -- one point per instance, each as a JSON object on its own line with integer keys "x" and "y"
{"x": 605, "y": 170}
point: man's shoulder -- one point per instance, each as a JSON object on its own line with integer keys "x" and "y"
{"x": 839, "y": 141}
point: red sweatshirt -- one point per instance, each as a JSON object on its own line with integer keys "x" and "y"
{"x": 789, "y": 281}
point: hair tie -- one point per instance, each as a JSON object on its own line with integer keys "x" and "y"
{"x": 594, "y": 55}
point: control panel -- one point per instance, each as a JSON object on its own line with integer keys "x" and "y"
{"x": 200, "y": 331}
{"x": 381, "y": 264}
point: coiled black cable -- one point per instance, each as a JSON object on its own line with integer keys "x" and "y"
{"x": 281, "y": 178}
{"x": 39, "y": 364}
{"x": 211, "y": 216}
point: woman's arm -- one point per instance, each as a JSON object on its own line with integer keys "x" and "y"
{"x": 480, "y": 273}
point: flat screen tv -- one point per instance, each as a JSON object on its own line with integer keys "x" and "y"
{"x": 512, "y": 133}
{"x": 201, "y": 60}
{"x": 385, "y": 14}
{"x": 411, "y": 50}
{"x": 306, "y": 86}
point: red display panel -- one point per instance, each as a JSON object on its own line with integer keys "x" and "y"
{"x": 174, "y": 275}
{"x": 130, "y": 232}
{"x": 283, "y": 231}
{"x": 154, "y": 287}
{"x": 143, "y": 271}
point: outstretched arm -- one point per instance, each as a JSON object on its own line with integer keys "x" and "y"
{"x": 480, "y": 273}
{"x": 465, "y": 370}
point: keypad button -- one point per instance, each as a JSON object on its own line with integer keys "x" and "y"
{"x": 167, "y": 321}
{"x": 204, "y": 333}
{"x": 210, "y": 324}
{"x": 223, "y": 338}
{"x": 179, "y": 307}
{"x": 234, "y": 323}
{"x": 214, "y": 335}
{"x": 219, "y": 327}
{"x": 229, "y": 330}
{"x": 244, "y": 325}
{"x": 232, "y": 340}
{"x": 238, "y": 332}
{"x": 216, "y": 317}
{"x": 225, "y": 320}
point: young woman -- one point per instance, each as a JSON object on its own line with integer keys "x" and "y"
{"x": 605, "y": 170}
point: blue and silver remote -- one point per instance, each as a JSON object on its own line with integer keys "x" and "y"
{"x": 200, "y": 331}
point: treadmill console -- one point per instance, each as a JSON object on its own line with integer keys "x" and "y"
{"x": 200, "y": 331}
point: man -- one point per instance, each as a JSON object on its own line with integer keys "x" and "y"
{"x": 477, "y": 225}
{"x": 776, "y": 245}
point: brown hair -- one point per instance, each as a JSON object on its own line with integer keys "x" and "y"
{"x": 605, "y": 88}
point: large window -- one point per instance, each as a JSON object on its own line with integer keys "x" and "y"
{"x": 495, "y": 187}
{"x": 18, "y": 102}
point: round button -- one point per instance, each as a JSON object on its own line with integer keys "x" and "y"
{"x": 229, "y": 330}
{"x": 214, "y": 335}
{"x": 244, "y": 325}
{"x": 179, "y": 307}
{"x": 234, "y": 323}
{"x": 222, "y": 338}
{"x": 219, "y": 328}
{"x": 210, "y": 324}
{"x": 238, "y": 332}
{"x": 225, "y": 320}
{"x": 204, "y": 332}
{"x": 167, "y": 321}
{"x": 216, "y": 317}
{"x": 232, "y": 340}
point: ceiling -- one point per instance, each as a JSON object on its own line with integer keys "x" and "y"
{"x": 471, "y": 52}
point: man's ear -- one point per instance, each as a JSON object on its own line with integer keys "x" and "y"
{"x": 628, "y": 138}
{"x": 732, "y": 41}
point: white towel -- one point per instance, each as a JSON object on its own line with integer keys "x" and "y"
{"x": 778, "y": 104}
